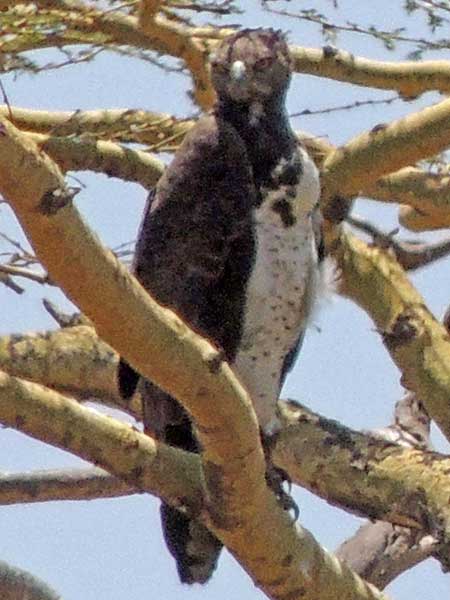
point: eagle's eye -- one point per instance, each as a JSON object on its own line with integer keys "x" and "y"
{"x": 219, "y": 67}
{"x": 263, "y": 63}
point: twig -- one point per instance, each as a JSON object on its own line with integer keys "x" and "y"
{"x": 64, "y": 319}
{"x": 26, "y": 273}
{"x": 410, "y": 254}
{"x": 356, "y": 104}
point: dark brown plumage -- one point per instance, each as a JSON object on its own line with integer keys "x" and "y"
{"x": 229, "y": 196}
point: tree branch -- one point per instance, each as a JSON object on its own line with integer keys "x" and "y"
{"x": 25, "y": 273}
{"x": 17, "y": 584}
{"x": 417, "y": 343}
{"x": 331, "y": 460}
{"x": 119, "y": 125}
{"x": 112, "y": 159}
{"x": 239, "y": 502}
{"x": 385, "y": 148}
{"x": 379, "y": 552}
{"x": 415, "y": 187}
{"x": 167, "y": 36}
{"x": 418, "y": 220}
{"x": 409, "y": 254}
{"x": 159, "y": 33}
{"x": 403, "y": 486}
{"x": 51, "y": 485}
{"x": 410, "y": 78}
{"x": 72, "y": 360}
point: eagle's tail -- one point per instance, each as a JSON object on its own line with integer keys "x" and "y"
{"x": 195, "y": 549}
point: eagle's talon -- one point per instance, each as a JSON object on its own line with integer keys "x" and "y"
{"x": 275, "y": 479}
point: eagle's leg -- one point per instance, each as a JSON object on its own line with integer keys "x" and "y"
{"x": 276, "y": 477}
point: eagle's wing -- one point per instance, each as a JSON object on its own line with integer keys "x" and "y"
{"x": 193, "y": 254}
{"x": 195, "y": 243}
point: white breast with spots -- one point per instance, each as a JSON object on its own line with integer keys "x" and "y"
{"x": 279, "y": 292}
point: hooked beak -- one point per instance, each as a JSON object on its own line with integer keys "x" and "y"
{"x": 238, "y": 71}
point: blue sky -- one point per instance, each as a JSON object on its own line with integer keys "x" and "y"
{"x": 113, "y": 548}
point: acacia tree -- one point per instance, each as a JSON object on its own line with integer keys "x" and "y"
{"x": 391, "y": 477}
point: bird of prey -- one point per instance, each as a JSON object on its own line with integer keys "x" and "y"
{"x": 229, "y": 241}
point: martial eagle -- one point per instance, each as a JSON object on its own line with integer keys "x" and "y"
{"x": 229, "y": 241}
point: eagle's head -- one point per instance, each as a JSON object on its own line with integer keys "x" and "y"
{"x": 251, "y": 66}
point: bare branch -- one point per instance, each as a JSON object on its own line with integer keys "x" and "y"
{"x": 17, "y": 584}
{"x": 25, "y": 273}
{"x": 386, "y": 148}
{"x": 426, "y": 192}
{"x": 417, "y": 343}
{"x": 51, "y": 485}
{"x": 409, "y": 253}
{"x": 5, "y": 279}
{"x": 409, "y": 79}
{"x": 394, "y": 483}
{"x": 418, "y": 220}
{"x": 183, "y": 368}
{"x": 115, "y": 160}
{"x": 351, "y": 105}
{"x": 379, "y": 552}
{"x": 124, "y": 125}
{"x": 64, "y": 319}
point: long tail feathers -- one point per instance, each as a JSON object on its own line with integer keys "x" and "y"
{"x": 195, "y": 549}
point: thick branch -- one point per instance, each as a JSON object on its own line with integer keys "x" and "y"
{"x": 417, "y": 343}
{"x": 407, "y": 487}
{"x": 124, "y": 125}
{"x": 72, "y": 360}
{"x": 101, "y": 157}
{"x": 240, "y": 504}
{"x": 426, "y": 194}
{"x": 354, "y": 167}
{"x": 117, "y": 447}
{"x": 424, "y": 191}
{"x": 410, "y": 79}
{"x": 333, "y": 461}
{"x": 415, "y": 187}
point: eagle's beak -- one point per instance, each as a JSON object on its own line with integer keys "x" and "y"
{"x": 238, "y": 71}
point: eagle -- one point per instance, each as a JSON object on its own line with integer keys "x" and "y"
{"x": 230, "y": 241}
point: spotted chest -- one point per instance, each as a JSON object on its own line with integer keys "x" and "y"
{"x": 280, "y": 289}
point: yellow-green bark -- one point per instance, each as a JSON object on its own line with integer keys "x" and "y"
{"x": 352, "y": 168}
{"x": 366, "y": 475}
{"x": 417, "y": 342}
{"x": 410, "y": 78}
{"x": 242, "y": 507}
{"x": 133, "y": 456}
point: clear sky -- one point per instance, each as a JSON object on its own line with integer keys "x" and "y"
{"x": 112, "y": 549}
